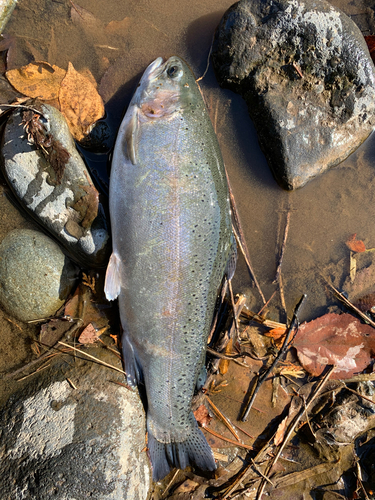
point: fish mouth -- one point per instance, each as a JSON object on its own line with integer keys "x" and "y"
{"x": 151, "y": 71}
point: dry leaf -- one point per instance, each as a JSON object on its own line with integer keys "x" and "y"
{"x": 89, "y": 335}
{"x": 118, "y": 27}
{"x": 335, "y": 339}
{"x": 85, "y": 72}
{"x": 115, "y": 338}
{"x": 80, "y": 103}
{"x": 291, "y": 370}
{"x": 224, "y": 363}
{"x": 280, "y": 433}
{"x": 187, "y": 486}
{"x": 355, "y": 245}
{"x": 202, "y": 416}
{"x": 370, "y": 40}
{"x": 38, "y": 80}
{"x": 278, "y": 335}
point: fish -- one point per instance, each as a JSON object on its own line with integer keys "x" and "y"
{"x": 173, "y": 245}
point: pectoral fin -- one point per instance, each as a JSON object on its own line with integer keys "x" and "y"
{"x": 112, "y": 286}
{"x": 131, "y": 136}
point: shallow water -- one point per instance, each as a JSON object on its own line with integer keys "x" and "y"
{"x": 116, "y": 41}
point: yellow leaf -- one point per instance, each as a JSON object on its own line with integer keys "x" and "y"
{"x": 80, "y": 103}
{"x": 37, "y": 80}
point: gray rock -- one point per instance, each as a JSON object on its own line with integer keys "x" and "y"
{"x": 69, "y": 443}
{"x": 6, "y": 9}
{"x": 35, "y": 276}
{"x": 308, "y": 80}
{"x": 66, "y": 207}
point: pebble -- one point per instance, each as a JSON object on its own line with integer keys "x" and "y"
{"x": 306, "y": 75}
{"x": 35, "y": 275}
{"x": 67, "y": 205}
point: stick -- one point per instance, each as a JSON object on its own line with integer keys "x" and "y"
{"x": 45, "y": 354}
{"x": 237, "y": 229}
{"x": 93, "y": 357}
{"x": 219, "y": 414}
{"x": 282, "y": 251}
{"x": 276, "y": 360}
{"x": 348, "y": 304}
{"x": 292, "y": 426}
{"x": 232, "y": 441}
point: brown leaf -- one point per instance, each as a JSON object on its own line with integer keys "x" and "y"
{"x": 370, "y": 40}
{"x": 37, "y": 79}
{"x": 187, "y": 486}
{"x": 202, "y": 416}
{"x": 355, "y": 245}
{"x": 89, "y": 335}
{"x": 280, "y": 433}
{"x": 335, "y": 339}
{"x": 118, "y": 27}
{"x": 80, "y": 103}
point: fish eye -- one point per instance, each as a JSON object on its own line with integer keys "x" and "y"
{"x": 174, "y": 72}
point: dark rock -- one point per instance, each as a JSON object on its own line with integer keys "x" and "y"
{"x": 65, "y": 441}
{"x": 35, "y": 276}
{"x": 62, "y": 199}
{"x": 308, "y": 80}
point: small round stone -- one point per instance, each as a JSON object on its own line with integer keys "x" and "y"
{"x": 35, "y": 276}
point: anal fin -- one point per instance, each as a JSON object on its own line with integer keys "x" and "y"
{"x": 133, "y": 370}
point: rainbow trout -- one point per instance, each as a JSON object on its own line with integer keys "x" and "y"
{"x": 172, "y": 246}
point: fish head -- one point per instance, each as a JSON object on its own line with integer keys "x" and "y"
{"x": 165, "y": 88}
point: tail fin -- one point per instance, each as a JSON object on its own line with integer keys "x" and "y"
{"x": 193, "y": 451}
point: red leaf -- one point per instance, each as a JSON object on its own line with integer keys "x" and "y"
{"x": 202, "y": 416}
{"x": 335, "y": 339}
{"x": 370, "y": 40}
{"x": 355, "y": 245}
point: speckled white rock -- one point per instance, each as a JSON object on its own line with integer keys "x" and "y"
{"x": 64, "y": 443}
{"x": 35, "y": 275}
{"x": 54, "y": 205}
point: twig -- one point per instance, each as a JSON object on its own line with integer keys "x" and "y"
{"x": 283, "y": 245}
{"x": 33, "y": 373}
{"x": 283, "y": 349}
{"x": 260, "y": 473}
{"x": 237, "y": 229}
{"x": 208, "y": 63}
{"x": 165, "y": 492}
{"x": 71, "y": 383}
{"x": 45, "y": 354}
{"x": 292, "y": 426}
{"x": 231, "y": 357}
{"x": 236, "y": 309}
{"x": 93, "y": 357}
{"x": 282, "y": 296}
{"x": 252, "y": 316}
{"x": 348, "y": 304}
{"x": 242, "y": 475}
{"x": 359, "y": 394}
{"x": 232, "y": 441}
{"x": 223, "y": 418}
{"x": 266, "y": 304}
